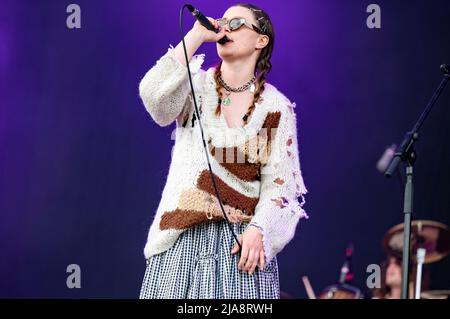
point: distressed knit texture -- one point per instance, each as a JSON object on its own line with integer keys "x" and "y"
{"x": 256, "y": 166}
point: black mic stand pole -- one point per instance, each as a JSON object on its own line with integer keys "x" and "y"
{"x": 405, "y": 153}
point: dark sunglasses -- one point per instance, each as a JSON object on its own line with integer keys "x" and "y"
{"x": 236, "y": 23}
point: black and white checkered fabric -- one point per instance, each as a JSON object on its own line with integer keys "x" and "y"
{"x": 200, "y": 265}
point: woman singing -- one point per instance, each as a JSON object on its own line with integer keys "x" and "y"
{"x": 251, "y": 135}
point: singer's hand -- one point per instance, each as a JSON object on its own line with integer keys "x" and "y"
{"x": 252, "y": 253}
{"x": 206, "y": 35}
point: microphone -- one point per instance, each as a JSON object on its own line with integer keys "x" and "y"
{"x": 386, "y": 158}
{"x": 444, "y": 69}
{"x": 205, "y": 22}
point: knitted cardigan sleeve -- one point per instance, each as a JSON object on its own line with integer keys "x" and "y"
{"x": 165, "y": 87}
{"x": 279, "y": 209}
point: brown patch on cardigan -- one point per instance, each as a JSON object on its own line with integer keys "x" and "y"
{"x": 272, "y": 121}
{"x": 196, "y": 207}
{"x": 279, "y": 181}
{"x": 280, "y": 201}
{"x": 267, "y": 133}
{"x": 181, "y": 219}
{"x": 244, "y": 161}
{"x": 289, "y": 141}
{"x": 234, "y": 160}
{"x": 228, "y": 195}
{"x": 247, "y": 171}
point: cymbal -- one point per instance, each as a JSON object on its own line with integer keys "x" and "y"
{"x": 435, "y": 294}
{"x": 431, "y": 235}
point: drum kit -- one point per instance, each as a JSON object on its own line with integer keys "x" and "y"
{"x": 430, "y": 242}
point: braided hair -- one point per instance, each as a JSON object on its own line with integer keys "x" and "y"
{"x": 263, "y": 65}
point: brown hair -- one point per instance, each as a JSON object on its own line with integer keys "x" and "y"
{"x": 263, "y": 65}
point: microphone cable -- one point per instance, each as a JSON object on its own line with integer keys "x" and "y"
{"x": 201, "y": 127}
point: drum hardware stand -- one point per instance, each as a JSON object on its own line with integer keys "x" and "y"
{"x": 421, "y": 252}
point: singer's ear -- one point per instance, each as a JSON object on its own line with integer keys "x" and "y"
{"x": 262, "y": 42}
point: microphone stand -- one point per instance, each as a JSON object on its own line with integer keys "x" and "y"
{"x": 406, "y": 153}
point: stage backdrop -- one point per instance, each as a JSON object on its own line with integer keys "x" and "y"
{"x": 82, "y": 164}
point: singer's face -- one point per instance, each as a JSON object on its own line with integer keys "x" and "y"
{"x": 244, "y": 41}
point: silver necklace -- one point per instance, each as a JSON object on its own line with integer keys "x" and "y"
{"x": 250, "y": 85}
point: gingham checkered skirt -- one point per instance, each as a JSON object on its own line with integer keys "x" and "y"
{"x": 200, "y": 265}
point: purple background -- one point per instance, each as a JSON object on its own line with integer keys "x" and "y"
{"x": 82, "y": 165}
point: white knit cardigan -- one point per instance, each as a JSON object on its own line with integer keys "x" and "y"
{"x": 279, "y": 192}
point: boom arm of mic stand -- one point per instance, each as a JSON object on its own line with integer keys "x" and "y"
{"x": 404, "y": 151}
